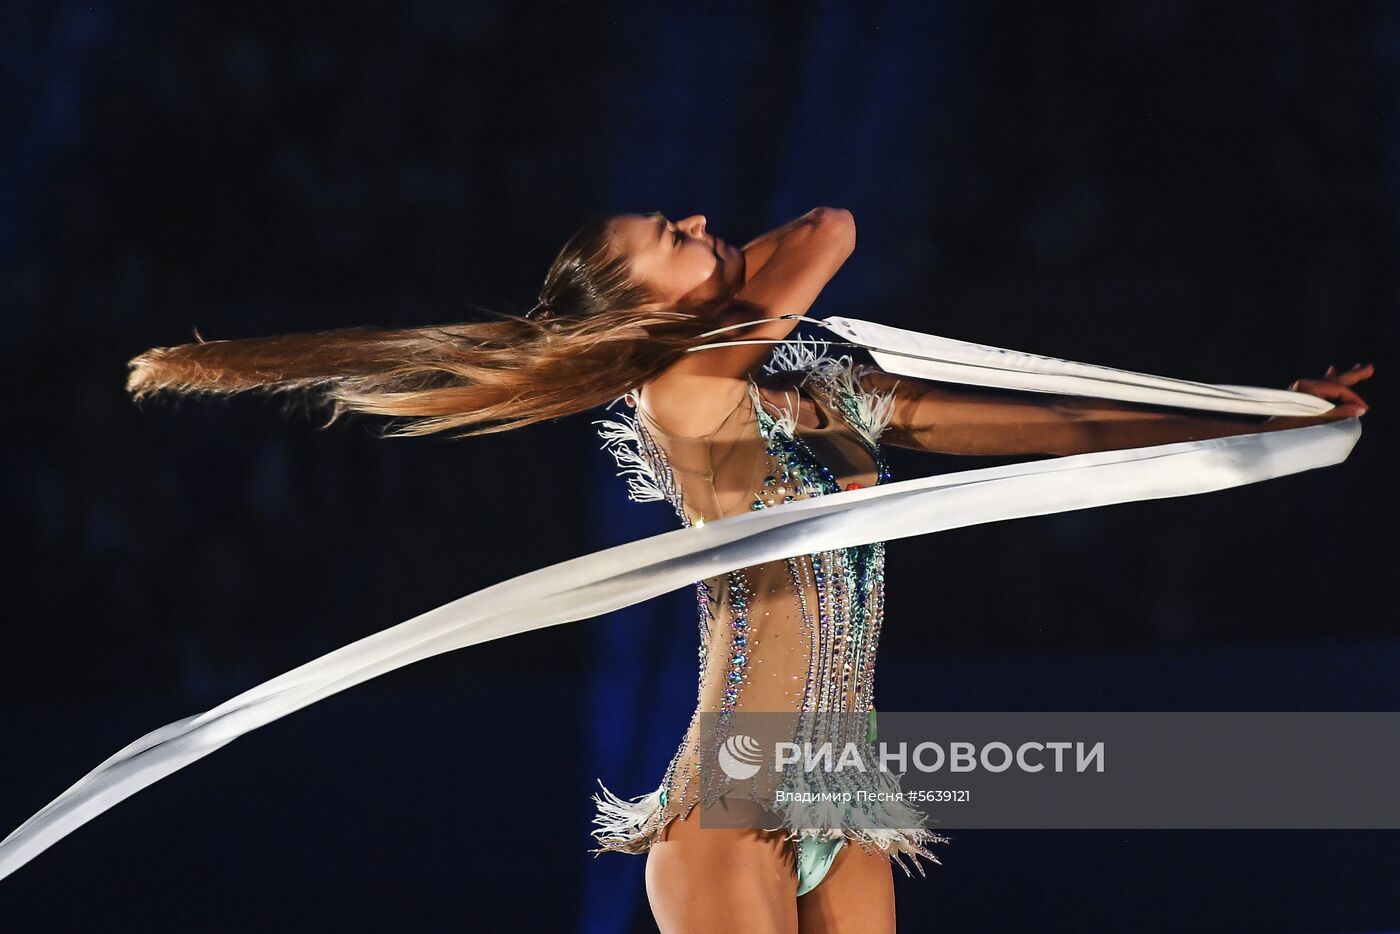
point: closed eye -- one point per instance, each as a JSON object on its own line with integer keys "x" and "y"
{"x": 676, "y": 234}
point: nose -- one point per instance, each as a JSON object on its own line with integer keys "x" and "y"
{"x": 694, "y": 224}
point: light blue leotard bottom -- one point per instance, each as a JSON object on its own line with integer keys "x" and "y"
{"x": 814, "y": 857}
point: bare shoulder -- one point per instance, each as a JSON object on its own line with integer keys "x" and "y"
{"x": 690, "y": 404}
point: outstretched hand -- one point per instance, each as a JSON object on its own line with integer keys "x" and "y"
{"x": 1334, "y": 387}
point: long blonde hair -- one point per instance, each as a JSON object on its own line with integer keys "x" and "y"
{"x": 593, "y": 336}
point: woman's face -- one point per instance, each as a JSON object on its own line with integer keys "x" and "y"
{"x": 678, "y": 260}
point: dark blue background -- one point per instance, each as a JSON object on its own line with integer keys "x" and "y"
{"x": 1202, "y": 190}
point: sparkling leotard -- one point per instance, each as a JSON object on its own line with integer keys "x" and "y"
{"x": 794, "y": 635}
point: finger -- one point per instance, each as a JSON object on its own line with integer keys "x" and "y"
{"x": 1346, "y": 395}
{"x": 1331, "y": 372}
{"x": 1356, "y": 374}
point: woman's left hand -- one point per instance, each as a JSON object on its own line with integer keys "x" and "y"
{"x": 1334, "y": 387}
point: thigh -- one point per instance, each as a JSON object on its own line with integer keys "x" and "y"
{"x": 703, "y": 879}
{"x": 855, "y": 897}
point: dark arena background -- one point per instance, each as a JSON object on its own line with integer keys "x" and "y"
{"x": 1201, "y": 190}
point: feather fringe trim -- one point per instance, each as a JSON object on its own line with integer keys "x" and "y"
{"x": 631, "y": 825}
{"x": 622, "y": 441}
{"x": 799, "y": 354}
{"x": 888, "y": 826}
{"x": 870, "y": 411}
{"x": 624, "y": 824}
{"x": 785, "y": 423}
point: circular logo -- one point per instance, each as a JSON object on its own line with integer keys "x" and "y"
{"x": 740, "y": 757}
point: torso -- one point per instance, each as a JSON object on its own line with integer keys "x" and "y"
{"x": 796, "y": 634}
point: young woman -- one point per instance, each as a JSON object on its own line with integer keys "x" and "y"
{"x": 716, "y": 433}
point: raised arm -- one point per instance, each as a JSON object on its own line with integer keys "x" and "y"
{"x": 785, "y": 270}
{"x": 936, "y": 418}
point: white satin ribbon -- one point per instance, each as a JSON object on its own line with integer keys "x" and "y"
{"x": 914, "y": 354}
{"x": 627, "y": 574}
{"x": 911, "y": 353}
